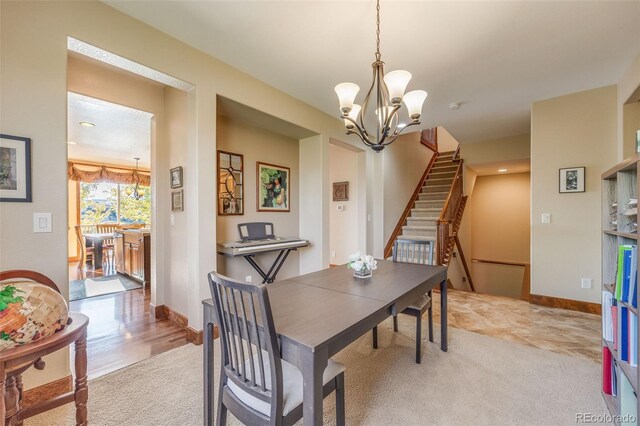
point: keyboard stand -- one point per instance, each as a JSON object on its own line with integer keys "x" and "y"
{"x": 269, "y": 277}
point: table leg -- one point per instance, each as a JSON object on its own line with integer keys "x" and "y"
{"x": 208, "y": 366}
{"x": 97, "y": 254}
{"x": 443, "y": 316}
{"x": 3, "y": 378}
{"x": 312, "y": 368}
{"x": 81, "y": 393}
{"x": 11, "y": 401}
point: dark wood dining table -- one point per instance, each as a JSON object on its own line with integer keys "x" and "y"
{"x": 317, "y": 315}
{"x": 95, "y": 241}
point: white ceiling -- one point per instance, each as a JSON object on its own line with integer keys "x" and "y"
{"x": 512, "y": 166}
{"x": 120, "y": 133}
{"x": 493, "y": 57}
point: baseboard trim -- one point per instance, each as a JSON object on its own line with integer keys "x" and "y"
{"x": 164, "y": 312}
{"x": 47, "y": 391}
{"x": 572, "y": 305}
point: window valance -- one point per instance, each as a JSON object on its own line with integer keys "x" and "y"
{"x": 95, "y": 173}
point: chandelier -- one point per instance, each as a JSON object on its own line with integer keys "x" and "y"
{"x": 136, "y": 192}
{"x": 387, "y": 91}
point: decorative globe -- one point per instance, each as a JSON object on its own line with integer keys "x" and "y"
{"x": 29, "y": 312}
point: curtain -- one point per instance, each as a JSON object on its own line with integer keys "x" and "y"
{"x": 91, "y": 174}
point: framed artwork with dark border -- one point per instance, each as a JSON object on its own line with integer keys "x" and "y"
{"x": 572, "y": 180}
{"x": 15, "y": 169}
{"x": 230, "y": 183}
{"x": 177, "y": 200}
{"x": 272, "y": 188}
{"x": 341, "y": 191}
{"x": 176, "y": 177}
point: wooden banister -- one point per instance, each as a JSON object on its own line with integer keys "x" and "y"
{"x": 405, "y": 214}
{"x": 525, "y": 292}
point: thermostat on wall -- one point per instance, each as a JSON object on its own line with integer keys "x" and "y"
{"x": 340, "y": 207}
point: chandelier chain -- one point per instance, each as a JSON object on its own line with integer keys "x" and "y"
{"x": 378, "y": 30}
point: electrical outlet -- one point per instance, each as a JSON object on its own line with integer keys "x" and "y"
{"x": 248, "y": 278}
{"x": 586, "y": 283}
{"x": 333, "y": 253}
{"x": 546, "y": 217}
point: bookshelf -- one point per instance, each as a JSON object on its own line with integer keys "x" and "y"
{"x": 619, "y": 228}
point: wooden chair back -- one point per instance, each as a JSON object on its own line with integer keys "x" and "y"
{"x": 410, "y": 251}
{"x": 133, "y": 226}
{"x": 88, "y": 229}
{"x": 247, "y": 334}
{"x": 82, "y": 244}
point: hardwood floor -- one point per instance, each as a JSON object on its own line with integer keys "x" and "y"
{"x": 123, "y": 330}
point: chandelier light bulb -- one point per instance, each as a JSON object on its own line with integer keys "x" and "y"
{"x": 346, "y": 95}
{"x": 353, "y": 114}
{"x": 128, "y": 190}
{"x": 414, "y": 101}
{"x": 397, "y": 82}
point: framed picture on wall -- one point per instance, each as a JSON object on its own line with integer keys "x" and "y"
{"x": 15, "y": 168}
{"x": 272, "y": 188}
{"x": 176, "y": 177}
{"x": 177, "y": 200}
{"x": 341, "y": 191}
{"x": 572, "y": 180}
{"x": 230, "y": 184}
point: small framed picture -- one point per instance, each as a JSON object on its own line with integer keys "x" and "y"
{"x": 272, "y": 189}
{"x": 15, "y": 168}
{"x": 177, "y": 201}
{"x": 176, "y": 177}
{"x": 341, "y": 191}
{"x": 572, "y": 179}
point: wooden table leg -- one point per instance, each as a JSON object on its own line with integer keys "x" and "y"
{"x": 3, "y": 378}
{"x": 11, "y": 401}
{"x": 19, "y": 387}
{"x": 443, "y": 316}
{"x": 312, "y": 366}
{"x": 81, "y": 389}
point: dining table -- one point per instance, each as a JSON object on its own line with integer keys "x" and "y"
{"x": 317, "y": 315}
{"x": 95, "y": 240}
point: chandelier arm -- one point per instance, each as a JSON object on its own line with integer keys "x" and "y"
{"x": 365, "y": 104}
{"x": 400, "y": 132}
{"x": 362, "y": 138}
{"x": 391, "y": 114}
{"x": 360, "y": 129}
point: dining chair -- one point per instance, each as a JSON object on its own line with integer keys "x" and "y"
{"x": 420, "y": 252}
{"x": 108, "y": 245}
{"x": 256, "y": 385}
{"x": 86, "y": 253}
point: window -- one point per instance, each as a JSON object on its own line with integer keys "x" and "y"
{"x": 110, "y": 203}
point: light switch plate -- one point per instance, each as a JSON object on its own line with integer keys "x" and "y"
{"x": 586, "y": 283}
{"x": 546, "y": 217}
{"x": 42, "y": 222}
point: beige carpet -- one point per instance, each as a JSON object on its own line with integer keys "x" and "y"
{"x": 480, "y": 381}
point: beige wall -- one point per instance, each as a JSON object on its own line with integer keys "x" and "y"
{"x": 631, "y": 124}
{"x": 496, "y": 150}
{"x": 33, "y": 83}
{"x": 403, "y": 164}
{"x": 628, "y": 86}
{"x": 343, "y": 166}
{"x": 500, "y": 228}
{"x": 265, "y": 146}
{"x": 175, "y": 129}
{"x": 573, "y": 130}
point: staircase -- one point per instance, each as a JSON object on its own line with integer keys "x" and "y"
{"x": 422, "y": 223}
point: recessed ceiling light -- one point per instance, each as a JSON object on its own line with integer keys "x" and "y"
{"x": 72, "y": 143}
{"x": 502, "y": 170}
{"x": 87, "y": 124}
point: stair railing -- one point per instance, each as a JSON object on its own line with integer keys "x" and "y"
{"x": 450, "y": 218}
{"x": 407, "y": 210}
